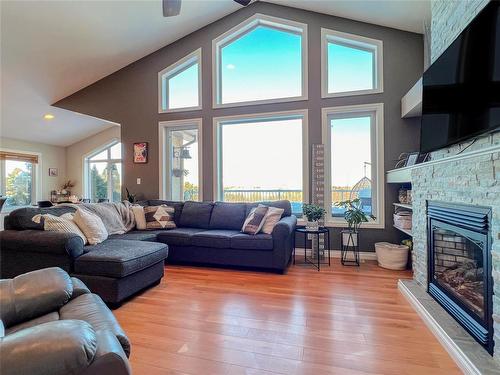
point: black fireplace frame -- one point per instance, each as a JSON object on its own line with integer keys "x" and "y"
{"x": 469, "y": 218}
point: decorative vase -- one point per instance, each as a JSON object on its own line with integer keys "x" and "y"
{"x": 64, "y": 191}
{"x": 312, "y": 226}
{"x": 353, "y": 241}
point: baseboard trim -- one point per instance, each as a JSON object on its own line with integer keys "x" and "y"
{"x": 457, "y": 354}
{"x": 363, "y": 255}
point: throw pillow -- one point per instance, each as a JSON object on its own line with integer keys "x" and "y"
{"x": 63, "y": 224}
{"x": 255, "y": 220}
{"x": 91, "y": 225}
{"x": 272, "y": 217}
{"x": 159, "y": 217}
{"x": 140, "y": 217}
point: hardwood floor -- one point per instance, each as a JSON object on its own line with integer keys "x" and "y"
{"x": 342, "y": 320}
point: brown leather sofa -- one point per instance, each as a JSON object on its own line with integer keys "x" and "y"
{"x": 50, "y": 324}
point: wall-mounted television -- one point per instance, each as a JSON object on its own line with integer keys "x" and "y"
{"x": 461, "y": 89}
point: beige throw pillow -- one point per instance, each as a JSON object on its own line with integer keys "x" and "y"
{"x": 255, "y": 220}
{"x": 272, "y": 217}
{"x": 159, "y": 217}
{"x": 91, "y": 225}
{"x": 140, "y": 217}
{"x": 63, "y": 224}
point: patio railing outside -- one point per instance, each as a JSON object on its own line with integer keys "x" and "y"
{"x": 257, "y": 195}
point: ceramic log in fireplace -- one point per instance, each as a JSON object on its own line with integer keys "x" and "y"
{"x": 460, "y": 265}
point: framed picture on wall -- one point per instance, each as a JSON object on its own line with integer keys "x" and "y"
{"x": 141, "y": 152}
{"x": 53, "y": 172}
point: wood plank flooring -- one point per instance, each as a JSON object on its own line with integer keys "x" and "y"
{"x": 342, "y": 320}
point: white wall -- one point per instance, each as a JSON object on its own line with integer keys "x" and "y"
{"x": 51, "y": 157}
{"x": 76, "y": 153}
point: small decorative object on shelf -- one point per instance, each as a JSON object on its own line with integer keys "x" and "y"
{"x": 355, "y": 216}
{"x": 66, "y": 187}
{"x": 313, "y": 214}
{"x": 403, "y": 195}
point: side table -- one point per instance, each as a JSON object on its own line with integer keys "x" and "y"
{"x": 315, "y": 234}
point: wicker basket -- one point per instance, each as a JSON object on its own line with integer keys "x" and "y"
{"x": 391, "y": 256}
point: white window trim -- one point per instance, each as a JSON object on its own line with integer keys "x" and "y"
{"x": 378, "y": 143}
{"x": 244, "y": 28}
{"x": 37, "y": 177}
{"x": 163, "y": 147}
{"x": 218, "y": 121}
{"x": 177, "y": 67}
{"x": 85, "y": 165}
{"x": 355, "y": 41}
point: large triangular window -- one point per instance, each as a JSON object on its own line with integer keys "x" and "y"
{"x": 262, "y": 60}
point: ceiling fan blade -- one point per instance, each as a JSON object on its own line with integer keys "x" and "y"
{"x": 171, "y": 7}
{"x": 243, "y": 2}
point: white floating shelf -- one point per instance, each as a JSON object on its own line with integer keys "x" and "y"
{"x": 399, "y": 176}
{"x": 402, "y": 205}
{"x": 406, "y": 231}
{"x": 411, "y": 103}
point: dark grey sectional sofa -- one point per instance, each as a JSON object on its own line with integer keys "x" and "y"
{"x": 208, "y": 233}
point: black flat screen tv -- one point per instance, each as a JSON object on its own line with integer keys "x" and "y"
{"x": 461, "y": 89}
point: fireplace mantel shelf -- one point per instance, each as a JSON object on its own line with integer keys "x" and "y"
{"x": 403, "y": 175}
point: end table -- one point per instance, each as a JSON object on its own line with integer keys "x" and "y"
{"x": 315, "y": 234}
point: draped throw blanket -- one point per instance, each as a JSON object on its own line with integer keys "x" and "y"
{"x": 117, "y": 217}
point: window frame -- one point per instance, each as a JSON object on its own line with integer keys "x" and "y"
{"x": 178, "y": 67}
{"x": 36, "y": 178}
{"x": 217, "y": 159}
{"x": 246, "y": 27}
{"x": 377, "y": 144}
{"x": 87, "y": 189}
{"x": 357, "y": 42}
{"x": 164, "y": 162}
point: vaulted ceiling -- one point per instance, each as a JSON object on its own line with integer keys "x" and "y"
{"x": 51, "y": 49}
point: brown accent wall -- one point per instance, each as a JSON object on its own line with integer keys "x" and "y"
{"x": 130, "y": 97}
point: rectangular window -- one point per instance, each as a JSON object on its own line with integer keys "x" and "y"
{"x": 351, "y": 64}
{"x": 181, "y": 167}
{"x": 179, "y": 85}
{"x": 104, "y": 174}
{"x": 17, "y": 183}
{"x": 353, "y": 138}
{"x": 264, "y": 59}
{"x": 262, "y": 158}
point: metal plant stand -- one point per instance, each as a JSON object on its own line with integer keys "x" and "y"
{"x": 350, "y": 245}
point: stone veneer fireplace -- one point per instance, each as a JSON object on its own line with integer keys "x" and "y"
{"x": 470, "y": 178}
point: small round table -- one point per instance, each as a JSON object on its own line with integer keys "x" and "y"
{"x": 315, "y": 235}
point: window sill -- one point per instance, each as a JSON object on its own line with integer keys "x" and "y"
{"x": 185, "y": 109}
{"x": 260, "y": 102}
{"x": 351, "y": 93}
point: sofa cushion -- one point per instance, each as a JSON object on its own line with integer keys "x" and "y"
{"x": 179, "y": 236}
{"x": 20, "y": 219}
{"x": 285, "y": 205}
{"x": 196, "y": 215}
{"x": 228, "y": 215}
{"x": 138, "y": 235}
{"x": 218, "y": 238}
{"x": 259, "y": 241}
{"x": 119, "y": 258}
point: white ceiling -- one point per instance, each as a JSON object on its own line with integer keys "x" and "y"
{"x": 51, "y": 49}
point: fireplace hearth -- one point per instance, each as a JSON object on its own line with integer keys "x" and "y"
{"x": 460, "y": 265}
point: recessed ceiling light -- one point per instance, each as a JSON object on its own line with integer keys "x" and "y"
{"x": 48, "y": 116}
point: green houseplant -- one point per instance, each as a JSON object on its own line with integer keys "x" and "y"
{"x": 313, "y": 214}
{"x": 355, "y": 216}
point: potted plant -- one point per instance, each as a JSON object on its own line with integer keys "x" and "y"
{"x": 130, "y": 197}
{"x": 355, "y": 216}
{"x": 314, "y": 214}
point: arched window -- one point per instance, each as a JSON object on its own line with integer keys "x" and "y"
{"x": 103, "y": 174}
{"x": 262, "y": 60}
